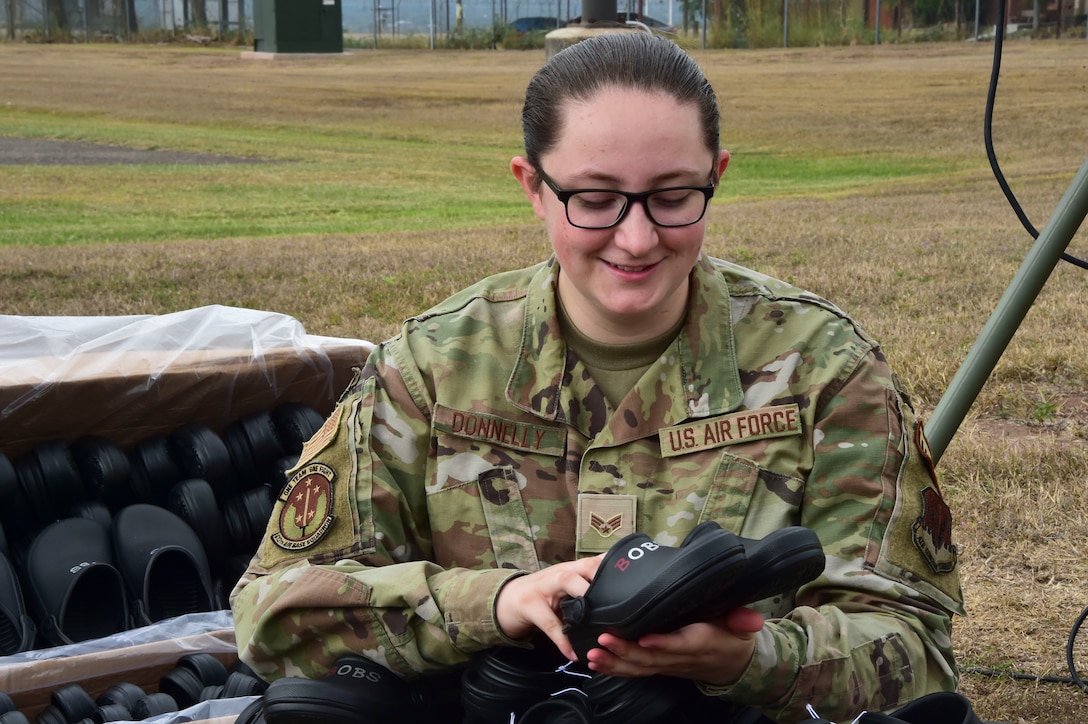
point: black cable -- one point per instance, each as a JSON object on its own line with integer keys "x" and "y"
{"x": 1074, "y": 678}
{"x": 1069, "y": 652}
{"x": 999, "y": 40}
{"x": 1018, "y": 676}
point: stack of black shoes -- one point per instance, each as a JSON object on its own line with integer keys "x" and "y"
{"x": 640, "y": 587}
{"x": 95, "y": 541}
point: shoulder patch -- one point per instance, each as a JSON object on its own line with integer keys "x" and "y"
{"x": 324, "y": 435}
{"x": 306, "y": 508}
{"x": 922, "y": 443}
{"x": 933, "y": 533}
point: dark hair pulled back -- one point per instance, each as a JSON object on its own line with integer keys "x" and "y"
{"x": 622, "y": 59}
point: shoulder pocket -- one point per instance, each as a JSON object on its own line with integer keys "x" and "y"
{"x": 315, "y": 516}
{"x": 917, "y": 547}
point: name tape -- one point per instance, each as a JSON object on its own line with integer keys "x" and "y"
{"x": 500, "y": 431}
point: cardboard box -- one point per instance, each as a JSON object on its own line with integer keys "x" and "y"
{"x": 125, "y": 379}
{"x": 141, "y": 656}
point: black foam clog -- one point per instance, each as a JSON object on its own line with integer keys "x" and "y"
{"x": 17, "y": 629}
{"x": 61, "y": 475}
{"x": 72, "y": 588}
{"x": 162, "y": 562}
{"x": 296, "y": 423}
{"x": 201, "y": 453}
{"x": 105, "y": 470}
{"x": 506, "y": 681}
{"x": 193, "y": 501}
{"x": 246, "y": 517}
{"x": 254, "y": 445}
{"x": 356, "y": 691}
{"x": 643, "y": 587}
{"x": 154, "y": 470}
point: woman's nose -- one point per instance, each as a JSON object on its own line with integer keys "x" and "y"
{"x": 636, "y": 233}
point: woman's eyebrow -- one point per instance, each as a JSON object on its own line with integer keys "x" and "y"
{"x": 584, "y": 180}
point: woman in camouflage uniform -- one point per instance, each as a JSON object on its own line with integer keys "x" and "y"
{"x": 483, "y": 457}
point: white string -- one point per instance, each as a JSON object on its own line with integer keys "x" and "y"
{"x": 812, "y": 713}
{"x": 564, "y": 670}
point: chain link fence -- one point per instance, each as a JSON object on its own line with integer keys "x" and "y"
{"x": 105, "y": 19}
{"x": 368, "y": 20}
{"x": 117, "y": 19}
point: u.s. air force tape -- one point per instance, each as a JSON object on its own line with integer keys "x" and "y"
{"x": 736, "y": 427}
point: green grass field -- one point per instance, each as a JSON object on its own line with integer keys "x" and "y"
{"x": 381, "y": 184}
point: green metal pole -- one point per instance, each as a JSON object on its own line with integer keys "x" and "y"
{"x": 1009, "y": 313}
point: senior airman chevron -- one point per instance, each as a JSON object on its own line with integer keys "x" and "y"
{"x": 776, "y": 421}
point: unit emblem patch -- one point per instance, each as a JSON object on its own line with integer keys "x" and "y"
{"x": 933, "y": 533}
{"x": 305, "y": 508}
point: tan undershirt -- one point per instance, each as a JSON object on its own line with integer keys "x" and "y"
{"x": 615, "y": 367}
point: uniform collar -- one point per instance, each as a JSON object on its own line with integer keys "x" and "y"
{"x": 696, "y": 377}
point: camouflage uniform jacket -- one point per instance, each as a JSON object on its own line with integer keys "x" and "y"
{"x": 474, "y": 446}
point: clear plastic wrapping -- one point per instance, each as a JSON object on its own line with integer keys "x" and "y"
{"x": 140, "y": 656}
{"x": 128, "y": 377}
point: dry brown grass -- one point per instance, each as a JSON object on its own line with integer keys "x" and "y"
{"x": 921, "y": 264}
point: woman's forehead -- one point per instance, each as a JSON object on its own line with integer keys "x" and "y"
{"x": 621, "y": 116}
{"x": 628, "y": 92}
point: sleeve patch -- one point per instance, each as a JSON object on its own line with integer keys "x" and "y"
{"x": 932, "y": 532}
{"x": 305, "y": 510}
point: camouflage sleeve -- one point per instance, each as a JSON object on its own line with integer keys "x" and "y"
{"x": 344, "y": 566}
{"x": 874, "y": 631}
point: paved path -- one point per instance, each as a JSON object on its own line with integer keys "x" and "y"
{"x": 47, "y": 152}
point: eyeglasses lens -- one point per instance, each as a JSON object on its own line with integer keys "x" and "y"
{"x": 601, "y": 209}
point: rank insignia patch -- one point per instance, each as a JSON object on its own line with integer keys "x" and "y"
{"x": 933, "y": 533}
{"x": 606, "y": 527}
{"x": 602, "y": 517}
{"x": 305, "y": 508}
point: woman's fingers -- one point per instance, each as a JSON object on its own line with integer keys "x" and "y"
{"x": 716, "y": 652}
{"x": 531, "y": 603}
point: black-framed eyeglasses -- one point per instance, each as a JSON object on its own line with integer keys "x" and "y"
{"x": 604, "y": 208}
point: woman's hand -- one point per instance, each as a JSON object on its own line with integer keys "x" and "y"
{"x": 717, "y": 653}
{"x": 527, "y": 604}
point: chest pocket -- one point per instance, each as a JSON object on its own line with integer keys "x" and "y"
{"x": 482, "y": 523}
{"x": 751, "y": 500}
{"x": 489, "y": 474}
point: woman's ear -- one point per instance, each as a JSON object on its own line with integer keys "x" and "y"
{"x": 723, "y": 163}
{"x": 525, "y": 173}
